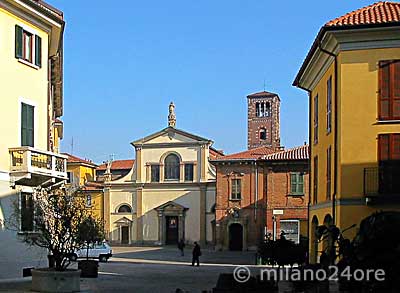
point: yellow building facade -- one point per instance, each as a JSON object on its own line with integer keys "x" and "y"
{"x": 352, "y": 76}
{"x": 31, "y": 58}
{"x": 82, "y": 173}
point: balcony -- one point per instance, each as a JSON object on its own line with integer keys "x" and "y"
{"x": 382, "y": 184}
{"x": 32, "y": 167}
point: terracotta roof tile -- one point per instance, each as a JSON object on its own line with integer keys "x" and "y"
{"x": 91, "y": 185}
{"x": 297, "y": 153}
{"x": 252, "y": 154}
{"x": 377, "y": 13}
{"x": 214, "y": 154}
{"x": 118, "y": 165}
{"x": 75, "y": 159}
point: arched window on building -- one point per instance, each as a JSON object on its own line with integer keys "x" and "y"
{"x": 263, "y": 134}
{"x": 172, "y": 167}
{"x": 124, "y": 209}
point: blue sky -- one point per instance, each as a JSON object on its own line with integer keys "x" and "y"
{"x": 126, "y": 60}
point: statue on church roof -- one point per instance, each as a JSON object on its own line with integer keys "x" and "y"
{"x": 171, "y": 116}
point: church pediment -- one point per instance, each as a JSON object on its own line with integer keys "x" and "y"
{"x": 123, "y": 221}
{"x": 170, "y": 135}
{"x": 171, "y": 206}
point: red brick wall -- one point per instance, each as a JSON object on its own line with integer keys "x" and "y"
{"x": 279, "y": 198}
{"x": 271, "y": 123}
{"x": 273, "y": 190}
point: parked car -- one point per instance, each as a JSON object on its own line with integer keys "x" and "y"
{"x": 102, "y": 251}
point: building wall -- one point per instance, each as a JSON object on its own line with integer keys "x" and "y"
{"x": 21, "y": 83}
{"x": 271, "y": 123}
{"x": 358, "y": 130}
{"x": 280, "y": 200}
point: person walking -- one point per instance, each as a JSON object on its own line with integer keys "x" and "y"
{"x": 196, "y": 253}
{"x": 181, "y": 247}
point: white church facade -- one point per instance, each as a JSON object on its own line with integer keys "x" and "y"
{"x": 168, "y": 195}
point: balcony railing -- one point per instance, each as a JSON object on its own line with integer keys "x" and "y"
{"x": 382, "y": 181}
{"x": 29, "y": 166}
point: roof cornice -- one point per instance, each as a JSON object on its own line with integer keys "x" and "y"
{"x": 344, "y": 38}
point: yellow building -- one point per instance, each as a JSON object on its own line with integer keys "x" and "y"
{"x": 31, "y": 71}
{"x": 169, "y": 193}
{"x": 352, "y": 75}
{"x": 82, "y": 173}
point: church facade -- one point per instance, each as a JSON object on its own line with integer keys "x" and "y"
{"x": 168, "y": 195}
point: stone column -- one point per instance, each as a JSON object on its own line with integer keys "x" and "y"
{"x": 106, "y": 212}
{"x": 148, "y": 172}
{"x": 161, "y": 172}
{"x": 203, "y": 218}
{"x": 139, "y": 215}
{"x": 160, "y": 228}
{"x": 203, "y": 162}
{"x": 181, "y": 172}
{"x": 181, "y": 227}
{"x": 138, "y": 163}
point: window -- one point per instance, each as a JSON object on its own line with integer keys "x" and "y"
{"x": 172, "y": 167}
{"x": 155, "y": 173}
{"x": 236, "y": 189}
{"x": 28, "y": 46}
{"x": 258, "y": 110}
{"x": 263, "y": 109}
{"x": 297, "y": 183}
{"x": 124, "y": 209}
{"x": 315, "y": 181}
{"x": 290, "y": 229}
{"x": 328, "y": 172}
{"x": 188, "y": 172}
{"x": 329, "y": 105}
{"x": 316, "y": 119}
{"x": 263, "y": 134}
{"x": 389, "y": 147}
{"x": 88, "y": 200}
{"x": 27, "y": 125}
{"x": 389, "y": 166}
{"x": 389, "y": 90}
{"x": 27, "y": 212}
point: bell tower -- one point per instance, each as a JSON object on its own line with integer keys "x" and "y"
{"x": 263, "y": 111}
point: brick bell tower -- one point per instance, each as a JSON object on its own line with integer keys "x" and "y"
{"x": 263, "y": 110}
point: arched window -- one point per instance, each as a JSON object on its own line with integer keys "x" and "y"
{"x": 124, "y": 209}
{"x": 171, "y": 168}
{"x": 263, "y": 134}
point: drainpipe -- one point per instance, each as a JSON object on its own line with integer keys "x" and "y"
{"x": 335, "y": 134}
{"x": 309, "y": 167}
{"x": 256, "y": 190}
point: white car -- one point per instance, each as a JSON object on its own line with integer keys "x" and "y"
{"x": 102, "y": 251}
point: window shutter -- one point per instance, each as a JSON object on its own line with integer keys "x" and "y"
{"x": 384, "y": 90}
{"x": 24, "y": 129}
{"x": 300, "y": 184}
{"x": 18, "y": 41}
{"x": 395, "y": 82}
{"x": 27, "y": 125}
{"x": 395, "y": 147}
{"x": 383, "y": 147}
{"x": 38, "y": 51}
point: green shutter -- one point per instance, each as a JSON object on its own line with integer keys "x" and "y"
{"x": 27, "y": 125}
{"x": 18, "y": 41}
{"x": 293, "y": 183}
{"x": 300, "y": 184}
{"x": 38, "y": 51}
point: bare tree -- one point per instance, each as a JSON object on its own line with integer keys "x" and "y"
{"x": 58, "y": 216}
